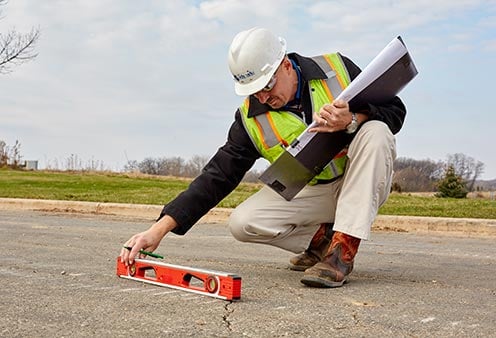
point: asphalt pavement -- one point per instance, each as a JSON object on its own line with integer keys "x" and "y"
{"x": 57, "y": 272}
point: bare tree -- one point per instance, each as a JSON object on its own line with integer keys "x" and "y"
{"x": 170, "y": 166}
{"x": 131, "y": 166}
{"x": 148, "y": 166}
{"x": 478, "y": 170}
{"x": 4, "y": 154}
{"x": 15, "y": 155}
{"x": 10, "y": 156}
{"x": 16, "y": 48}
{"x": 412, "y": 175}
{"x": 466, "y": 167}
{"x": 195, "y": 165}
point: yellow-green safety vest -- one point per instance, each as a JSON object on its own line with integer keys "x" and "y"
{"x": 273, "y": 130}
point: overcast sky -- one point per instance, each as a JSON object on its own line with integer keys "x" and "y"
{"x": 119, "y": 80}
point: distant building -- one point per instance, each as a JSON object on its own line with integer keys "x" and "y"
{"x": 31, "y": 165}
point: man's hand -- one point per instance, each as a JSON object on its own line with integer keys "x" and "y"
{"x": 332, "y": 117}
{"x": 147, "y": 240}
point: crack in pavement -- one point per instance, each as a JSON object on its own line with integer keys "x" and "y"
{"x": 225, "y": 317}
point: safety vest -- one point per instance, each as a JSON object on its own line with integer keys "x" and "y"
{"x": 273, "y": 130}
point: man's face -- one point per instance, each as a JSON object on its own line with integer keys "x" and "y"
{"x": 283, "y": 89}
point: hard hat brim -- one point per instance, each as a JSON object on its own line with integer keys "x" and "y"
{"x": 254, "y": 86}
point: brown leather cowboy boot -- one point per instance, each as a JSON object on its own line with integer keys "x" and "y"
{"x": 315, "y": 251}
{"x": 331, "y": 272}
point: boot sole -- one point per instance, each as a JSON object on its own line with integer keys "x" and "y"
{"x": 317, "y": 282}
{"x": 298, "y": 267}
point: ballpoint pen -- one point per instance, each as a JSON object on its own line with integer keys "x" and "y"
{"x": 151, "y": 254}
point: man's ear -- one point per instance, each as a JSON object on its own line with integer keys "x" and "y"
{"x": 286, "y": 63}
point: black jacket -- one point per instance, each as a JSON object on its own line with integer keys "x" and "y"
{"x": 227, "y": 167}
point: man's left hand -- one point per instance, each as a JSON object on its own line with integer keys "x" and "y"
{"x": 332, "y": 117}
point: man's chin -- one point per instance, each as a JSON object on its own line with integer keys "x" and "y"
{"x": 276, "y": 105}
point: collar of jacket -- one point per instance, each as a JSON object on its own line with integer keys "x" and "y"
{"x": 309, "y": 71}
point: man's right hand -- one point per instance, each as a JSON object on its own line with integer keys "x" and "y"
{"x": 147, "y": 240}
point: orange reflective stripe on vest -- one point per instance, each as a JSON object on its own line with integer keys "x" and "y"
{"x": 268, "y": 131}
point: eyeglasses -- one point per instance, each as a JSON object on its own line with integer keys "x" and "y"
{"x": 271, "y": 83}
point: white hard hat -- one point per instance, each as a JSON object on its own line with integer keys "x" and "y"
{"x": 254, "y": 56}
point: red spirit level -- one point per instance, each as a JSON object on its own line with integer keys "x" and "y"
{"x": 216, "y": 284}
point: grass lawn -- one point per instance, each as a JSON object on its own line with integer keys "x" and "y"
{"x": 143, "y": 189}
{"x": 103, "y": 187}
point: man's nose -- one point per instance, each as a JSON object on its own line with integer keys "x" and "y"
{"x": 262, "y": 96}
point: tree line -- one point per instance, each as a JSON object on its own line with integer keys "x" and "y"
{"x": 410, "y": 175}
{"x": 178, "y": 167}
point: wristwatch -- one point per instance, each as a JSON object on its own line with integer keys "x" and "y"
{"x": 353, "y": 126}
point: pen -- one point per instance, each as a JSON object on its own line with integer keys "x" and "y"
{"x": 151, "y": 254}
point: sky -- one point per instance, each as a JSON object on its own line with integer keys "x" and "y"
{"x": 119, "y": 80}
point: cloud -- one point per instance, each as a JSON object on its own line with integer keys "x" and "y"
{"x": 245, "y": 14}
{"x": 488, "y": 22}
{"x": 376, "y": 19}
{"x": 489, "y": 45}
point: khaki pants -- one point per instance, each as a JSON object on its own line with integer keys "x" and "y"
{"x": 351, "y": 202}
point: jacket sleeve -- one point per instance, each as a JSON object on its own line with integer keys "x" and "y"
{"x": 392, "y": 113}
{"x": 219, "y": 177}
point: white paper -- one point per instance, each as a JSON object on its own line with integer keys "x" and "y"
{"x": 381, "y": 63}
